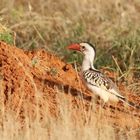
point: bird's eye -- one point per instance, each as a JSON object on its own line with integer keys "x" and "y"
{"x": 83, "y": 48}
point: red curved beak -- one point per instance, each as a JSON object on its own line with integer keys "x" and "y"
{"x": 74, "y": 47}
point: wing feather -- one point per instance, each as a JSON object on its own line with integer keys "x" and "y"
{"x": 96, "y": 78}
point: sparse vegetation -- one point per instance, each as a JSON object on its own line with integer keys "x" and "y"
{"x": 53, "y": 24}
{"x": 6, "y": 35}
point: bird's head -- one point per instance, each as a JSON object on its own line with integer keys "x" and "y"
{"x": 88, "y": 50}
{"x": 84, "y": 47}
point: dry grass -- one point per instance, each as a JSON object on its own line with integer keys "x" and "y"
{"x": 68, "y": 125}
{"x": 64, "y": 127}
{"x": 52, "y": 25}
{"x": 92, "y": 20}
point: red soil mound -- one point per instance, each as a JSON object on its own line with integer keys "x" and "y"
{"x": 27, "y": 78}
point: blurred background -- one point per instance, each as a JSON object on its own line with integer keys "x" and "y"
{"x": 113, "y": 25}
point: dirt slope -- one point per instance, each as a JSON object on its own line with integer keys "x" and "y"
{"x": 28, "y": 77}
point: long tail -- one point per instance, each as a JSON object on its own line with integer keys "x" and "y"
{"x": 131, "y": 104}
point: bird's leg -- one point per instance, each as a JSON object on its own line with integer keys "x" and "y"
{"x": 105, "y": 100}
{"x": 103, "y": 104}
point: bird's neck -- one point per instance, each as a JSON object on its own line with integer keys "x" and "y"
{"x": 88, "y": 62}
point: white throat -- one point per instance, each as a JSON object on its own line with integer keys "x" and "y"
{"x": 88, "y": 62}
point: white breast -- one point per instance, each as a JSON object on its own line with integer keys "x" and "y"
{"x": 105, "y": 95}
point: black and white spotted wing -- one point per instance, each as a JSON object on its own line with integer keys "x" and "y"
{"x": 96, "y": 78}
